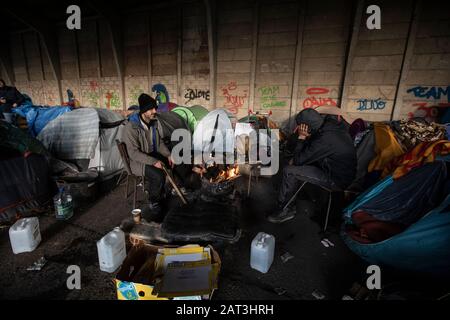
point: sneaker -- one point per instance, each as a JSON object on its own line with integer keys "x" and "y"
{"x": 282, "y": 215}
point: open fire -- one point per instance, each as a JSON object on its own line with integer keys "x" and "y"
{"x": 225, "y": 175}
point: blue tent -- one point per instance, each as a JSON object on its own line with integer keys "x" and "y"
{"x": 424, "y": 246}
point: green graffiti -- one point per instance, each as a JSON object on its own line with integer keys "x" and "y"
{"x": 93, "y": 97}
{"x": 134, "y": 94}
{"x": 269, "y": 97}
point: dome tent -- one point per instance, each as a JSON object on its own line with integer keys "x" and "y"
{"x": 192, "y": 115}
{"x": 206, "y": 134}
{"x": 86, "y": 136}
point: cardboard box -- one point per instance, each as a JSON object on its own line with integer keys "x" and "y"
{"x": 160, "y": 273}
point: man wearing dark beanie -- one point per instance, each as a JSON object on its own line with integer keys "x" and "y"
{"x": 146, "y": 150}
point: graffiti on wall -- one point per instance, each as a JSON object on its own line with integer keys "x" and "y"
{"x": 233, "y": 99}
{"x": 134, "y": 93}
{"x": 112, "y": 100}
{"x": 192, "y": 94}
{"x": 428, "y": 109}
{"x": 92, "y": 95}
{"x": 430, "y": 92}
{"x": 371, "y": 104}
{"x": 269, "y": 97}
{"x": 316, "y": 98}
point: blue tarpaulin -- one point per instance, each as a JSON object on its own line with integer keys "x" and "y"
{"x": 38, "y": 117}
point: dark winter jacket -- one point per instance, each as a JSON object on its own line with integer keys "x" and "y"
{"x": 12, "y": 95}
{"x": 329, "y": 147}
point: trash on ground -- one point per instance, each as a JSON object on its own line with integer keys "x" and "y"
{"x": 38, "y": 265}
{"x": 318, "y": 295}
{"x": 25, "y": 235}
{"x": 286, "y": 257}
{"x": 280, "y": 291}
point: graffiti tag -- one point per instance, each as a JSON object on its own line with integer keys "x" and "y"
{"x": 371, "y": 104}
{"x": 269, "y": 97}
{"x": 233, "y": 101}
{"x": 192, "y": 94}
{"x": 432, "y": 92}
{"x": 313, "y": 102}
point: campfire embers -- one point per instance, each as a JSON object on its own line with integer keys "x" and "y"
{"x": 219, "y": 180}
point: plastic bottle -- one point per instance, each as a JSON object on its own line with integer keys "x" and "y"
{"x": 25, "y": 235}
{"x": 63, "y": 204}
{"x": 111, "y": 250}
{"x": 262, "y": 251}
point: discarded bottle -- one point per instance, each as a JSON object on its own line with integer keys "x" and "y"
{"x": 25, "y": 235}
{"x": 63, "y": 204}
{"x": 111, "y": 250}
{"x": 262, "y": 251}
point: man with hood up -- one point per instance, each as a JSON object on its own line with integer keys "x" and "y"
{"x": 324, "y": 155}
{"x": 146, "y": 150}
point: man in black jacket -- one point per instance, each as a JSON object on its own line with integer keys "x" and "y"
{"x": 10, "y": 98}
{"x": 324, "y": 155}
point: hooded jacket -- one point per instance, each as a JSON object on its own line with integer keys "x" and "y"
{"x": 329, "y": 147}
{"x": 141, "y": 142}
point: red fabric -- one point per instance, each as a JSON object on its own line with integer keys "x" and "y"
{"x": 370, "y": 230}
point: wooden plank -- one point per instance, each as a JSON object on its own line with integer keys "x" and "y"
{"x": 256, "y": 10}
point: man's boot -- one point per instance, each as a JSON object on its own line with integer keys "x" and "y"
{"x": 282, "y": 215}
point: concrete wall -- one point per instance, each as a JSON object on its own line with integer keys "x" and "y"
{"x": 278, "y": 56}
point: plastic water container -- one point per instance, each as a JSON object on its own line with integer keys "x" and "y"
{"x": 111, "y": 250}
{"x": 25, "y": 235}
{"x": 261, "y": 255}
{"x": 63, "y": 205}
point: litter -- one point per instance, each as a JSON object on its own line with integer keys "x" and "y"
{"x": 325, "y": 244}
{"x": 319, "y": 296}
{"x": 329, "y": 242}
{"x": 38, "y": 265}
{"x": 280, "y": 291}
{"x": 347, "y": 297}
{"x": 286, "y": 257}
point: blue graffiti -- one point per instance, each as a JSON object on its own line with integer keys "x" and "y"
{"x": 433, "y": 92}
{"x": 370, "y": 104}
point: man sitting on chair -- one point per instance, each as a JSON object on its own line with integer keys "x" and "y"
{"x": 147, "y": 151}
{"x": 324, "y": 155}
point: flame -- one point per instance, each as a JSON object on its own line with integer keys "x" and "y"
{"x": 227, "y": 174}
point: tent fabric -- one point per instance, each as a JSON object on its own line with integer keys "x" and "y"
{"x": 386, "y": 147}
{"x": 405, "y": 200}
{"x": 211, "y": 133}
{"x": 38, "y": 117}
{"x": 14, "y": 138}
{"x": 170, "y": 121}
{"x": 423, "y": 247}
{"x": 25, "y": 183}
{"x": 73, "y": 135}
{"x": 364, "y": 154}
{"x": 424, "y": 152}
{"x": 192, "y": 115}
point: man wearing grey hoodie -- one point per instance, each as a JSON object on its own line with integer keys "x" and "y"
{"x": 324, "y": 155}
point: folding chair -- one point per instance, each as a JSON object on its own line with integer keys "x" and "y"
{"x": 330, "y": 193}
{"x": 137, "y": 181}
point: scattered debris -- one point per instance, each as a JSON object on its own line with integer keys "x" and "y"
{"x": 38, "y": 265}
{"x": 319, "y": 296}
{"x": 280, "y": 291}
{"x": 347, "y": 297}
{"x": 286, "y": 257}
{"x": 327, "y": 243}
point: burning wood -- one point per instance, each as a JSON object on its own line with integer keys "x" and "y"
{"x": 218, "y": 173}
{"x": 225, "y": 175}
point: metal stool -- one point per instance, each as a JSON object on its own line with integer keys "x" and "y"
{"x": 330, "y": 192}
